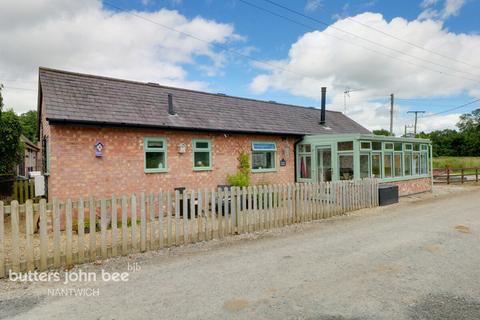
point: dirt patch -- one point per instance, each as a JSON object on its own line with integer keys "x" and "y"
{"x": 235, "y": 305}
{"x": 384, "y": 268}
{"x": 432, "y": 248}
{"x": 462, "y": 229}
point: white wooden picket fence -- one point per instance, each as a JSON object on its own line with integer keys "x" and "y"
{"x": 39, "y": 236}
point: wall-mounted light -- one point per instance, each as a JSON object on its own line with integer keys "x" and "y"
{"x": 182, "y": 148}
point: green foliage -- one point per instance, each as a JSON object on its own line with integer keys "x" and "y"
{"x": 456, "y": 162}
{"x": 29, "y": 123}
{"x": 10, "y": 145}
{"x": 464, "y": 142}
{"x": 382, "y": 132}
{"x": 242, "y": 177}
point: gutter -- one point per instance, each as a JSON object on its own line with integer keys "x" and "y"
{"x": 160, "y": 127}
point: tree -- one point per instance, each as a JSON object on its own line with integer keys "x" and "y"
{"x": 10, "y": 145}
{"x": 382, "y": 132}
{"x": 29, "y": 123}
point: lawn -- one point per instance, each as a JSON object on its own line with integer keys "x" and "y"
{"x": 457, "y": 162}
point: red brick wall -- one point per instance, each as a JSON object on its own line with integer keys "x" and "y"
{"x": 75, "y": 171}
{"x": 413, "y": 186}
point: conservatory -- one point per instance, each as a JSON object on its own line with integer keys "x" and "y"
{"x": 357, "y": 156}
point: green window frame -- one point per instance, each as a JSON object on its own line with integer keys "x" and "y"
{"x": 200, "y": 148}
{"x": 155, "y": 147}
{"x": 388, "y": 146}
{"x": 407, "y": 147}
{"x": 365, "y": 145}
{"x": 264, "y": 153}
{"x": 304, "y": 159}
{"x": 365, "y": 165}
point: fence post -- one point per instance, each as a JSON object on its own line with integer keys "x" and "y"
{"x": 152, "y": 240}
{"x": 56, "y": 233}
{"x": 114, "y": 224}
{"x": 80, "y": 229}
{"x": 448, "y": 175}
{"x": 476, "y": 174}
{"x": 160, "y": 220}
{"x": 92, "y": 229}
{"x": 143, "y": 223}
{"x": 14, "y": 218}
{"x": 2, "y": 239}
{"x": 68, "y": 227}
{"x": 124, "y": 225}
{"x": 462, "y": 174}
{"x": 43, "y": 235}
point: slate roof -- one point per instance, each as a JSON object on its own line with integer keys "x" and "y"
{"x": 82, "y": 98}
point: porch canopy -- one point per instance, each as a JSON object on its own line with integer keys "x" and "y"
{"x": 358, "y": 156}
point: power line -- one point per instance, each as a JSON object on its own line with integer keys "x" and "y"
{"x": 454, "y": 108}
{"x": 186, "y": 34}
{"x": 18, "y": 88}
{"x": 368, "y": 40}
{"x": 411, "y": 43}
{"x": 354, "y": 44}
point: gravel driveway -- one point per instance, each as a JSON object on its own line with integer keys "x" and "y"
{"x": 419, "y": 259}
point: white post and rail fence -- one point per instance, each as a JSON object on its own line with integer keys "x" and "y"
{"x": 40, "y": 236}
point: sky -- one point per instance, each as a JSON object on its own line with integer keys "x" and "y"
{"x": 427, "y": 53}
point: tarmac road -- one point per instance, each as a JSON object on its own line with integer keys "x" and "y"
{"x": 415, "y": 260}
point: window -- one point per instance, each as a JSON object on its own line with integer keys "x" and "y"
{"x": 408, "y": 146}
{"x": 303, "y": 148}
{"x": 305, "y": 167}
{"x": 345, "y": 166}
{"x": 376, "y": 165}
{"x": 424, "y": 163}
{"x": 415, "y": 164}
{"x": 263, "y": 156}
{"x": 365, "y": 145}
{"x": 345, "y": 146}
{"x": 408, "y": 163}
{"x": 364, "y": 165}
{"x": 388, "y": 146}
{"x": 155, "y": 155}
{"x": 397, "y": 160}
{"x": 388, "y": 164}
{"x": 305, "y": 160}
{"x": 202, "y": 155}
{"x": 377, "y": 145}
{"x": 398, "y": 146}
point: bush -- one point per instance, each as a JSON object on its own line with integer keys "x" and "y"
{"x": 242, "y": 177}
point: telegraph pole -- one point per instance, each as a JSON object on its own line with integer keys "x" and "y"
{"x": 416, "y": 112}
{"x": 391, "y": 114}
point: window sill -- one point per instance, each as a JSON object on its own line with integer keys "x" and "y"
{"x": 262, "y": 170}
{"x": 202, "y": 169}
{"x": 155, "y": 170}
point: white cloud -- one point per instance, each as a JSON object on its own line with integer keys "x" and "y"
{"x": 450, "y": 8}
{"x": 326, "y": 61}
{"x": 83, "y": 36}
{"x": 312, "y": 5}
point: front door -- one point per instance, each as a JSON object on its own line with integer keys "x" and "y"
{"x": 324, "y": 164}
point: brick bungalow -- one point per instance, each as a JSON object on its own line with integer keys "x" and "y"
{"x": 104, "y": 136}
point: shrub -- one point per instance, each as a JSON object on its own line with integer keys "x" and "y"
{"x": 242, "y": 177}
